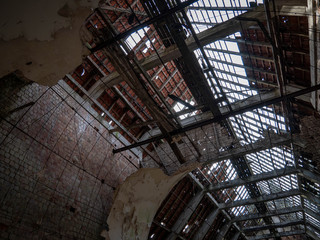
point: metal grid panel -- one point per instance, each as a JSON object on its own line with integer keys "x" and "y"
{"x": 225, "y": 57}
{"x": 276, "y": 185}
{"x": 250, "y": 126}
{"x": 205, "y": 13}
{"x": 284, "y": 203}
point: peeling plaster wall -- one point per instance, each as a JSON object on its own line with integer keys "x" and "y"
{"x": 137, "y": 202}
{"x": 42, "y": 38}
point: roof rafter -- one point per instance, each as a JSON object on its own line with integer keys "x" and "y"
{"x": 278, "y": 235}
{"x": 263, "y": 198}
{"x": 270, "y": 226}
{"x": 269, "y": 214}
{"x": 253, "y": 179}
{"x": 185, "y": 215}
{"x": 202, "y": 231}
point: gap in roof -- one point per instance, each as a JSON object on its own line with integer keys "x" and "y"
{"x": 206, "y": 18}
{"x": 179, "y": 107}
{"x": 136, "y": 37}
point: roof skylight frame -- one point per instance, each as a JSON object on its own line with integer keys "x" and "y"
{"x": 267, "y": 116}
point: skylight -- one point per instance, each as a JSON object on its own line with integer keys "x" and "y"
{"x": 179, "y": 107}
{"x": 136, "y": 37}
{"x": 226, "y": 59}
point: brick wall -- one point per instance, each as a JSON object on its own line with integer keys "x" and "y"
{"x": 57, "y": 170}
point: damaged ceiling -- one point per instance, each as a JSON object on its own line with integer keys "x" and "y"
{"x": 223, "y": 97}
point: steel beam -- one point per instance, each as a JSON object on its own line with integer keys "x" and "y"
{"x": 135, "y": 125}
{"x": 292, "y": 11}
{"x": 123, "y": 65}
{"x": 264, "y": 97}
{"x": 202, "y": 231}
{"x": 245, "y": 77}
{"x": 215, "y": 33}
{"x": 121, "y": 10}
{"x": 142, "y": 25}
{"x": 242, "y": 54}
{"x": 244, "y": 41}
{"x": 87, "y": 105}
{"x": 224, "y": 109}
{"x": 236, "y": 236}
{"x": 272, "y": 226}
{"x": 253, "y": 179}
{"x": 278, "y": 235}
{"x": 100, "y": 106}
{"x": 188, "y": 65}
{"x": 268, "y": 214}
{"x": 312, "y": 213}
{"x": 199, "y": 184}
{"x": 223, "y": 117}
{"x": 185, "y": 215}
{"x": 310, "y": 197}
{"x": 313, "y": 226}
{"x": 119, "y": 93}
{"x": 263, "y": 198}
{"x": 206, "y": 8}
{"x": 249, "y": 68}
{"x": 314, "y": 49}
{"x": 312, "y": 234}
{"x": 282, "y": 10}
{"x": 210, "y": 35}
{"x": 276, "y": 50}
{"x": 310, "y": 175}
{"x": 292, "y": 7}
{"x": 224, "y": 230}
{"x": 114, "y": 77}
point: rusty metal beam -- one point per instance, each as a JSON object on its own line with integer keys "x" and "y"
{"x": 312, "y": 234}
{"x": 101, "y": 107}
{"x": 248, "y": 67}
{"x": 144, "y": 24}
{"x": 314, "y": 49}
{"x": 224, "y": 230}
{"x": 312, "y": 213}
{"x": 185, "y": 215}
{"x": 188, "y": 64}
{"x": 221, "y": 30}
{"x": 285, "y": 10}
{"x": 222, "y": 117}
{"x": 236, "y": 236}
{"x": 254, "y": 178}
{"x": 310, "y": 197}
{"x": 268, "y": 214}
{"x": 210, "y": 35}
{"x": 242, "y": 54}
{"x": 313, "y": 226}
{"x": 131, "y": 74}
{"x": 263, "y": 198}
{"x": 121, "y": 10}
{"x": 310, "y": 175}
{"x": 278, "y": 235}
{"x": 213, "y": 215}
{"x": 276, "y": 47}
{"x": 272, "y": 226}
{"x": 204, "y": 228}
{"x": 206, "y": 8}
{"x": 136, "y": 125}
